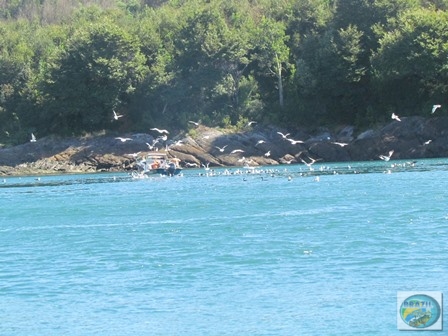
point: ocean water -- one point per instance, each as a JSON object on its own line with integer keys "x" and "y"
{"x": 272, "y": 252}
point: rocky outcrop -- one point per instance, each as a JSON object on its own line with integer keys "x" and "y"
{"x": 411, "y": 138}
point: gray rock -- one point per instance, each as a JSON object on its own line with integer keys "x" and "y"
{"x": 412, "y": 138}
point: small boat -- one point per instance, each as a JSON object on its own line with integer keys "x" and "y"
{"x": 156, "y": 163}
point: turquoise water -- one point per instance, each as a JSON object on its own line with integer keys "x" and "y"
{"x": 274, "y": 252}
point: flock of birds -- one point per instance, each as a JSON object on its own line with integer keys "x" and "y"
{"x": 163, "y": 137}
{"x": 397, "y": 118}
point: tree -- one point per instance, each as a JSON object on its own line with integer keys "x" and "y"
{"x": 97, "y": 73}
{"x": 272, "y": 52}
{"x": 410, "y": 66}
{"x": 16, "y": 70}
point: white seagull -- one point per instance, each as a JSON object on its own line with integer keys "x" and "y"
{"x": 294, "y": 142}
{"x": 267, "y": 154}
{"x": 394, "y": 116}
{"x": 221, "y": 149}
{"x": 342, "y": 144}
{"x": 159, "y": 130}
{"x": 33, "y": 138}
{"x": 116, "y": 116}
{"x": 309, "y": 164}
{"x": 123, "y": 139}
{"x": 259, "y": 142}
{"x": 284, "y": 136}
{"x": 134, "y": 155}
{"x": 387, "y": 157}
{"x": 250, "y": 123}
{"x": 237, "y": 151}
{"x": 435, "y": 107}
{"x": 177, "y": 143}
{"x": 194, "y": 123}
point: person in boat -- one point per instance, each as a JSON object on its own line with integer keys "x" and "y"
{"x": 176, "y": 162}
{"x": 155, "y": 164}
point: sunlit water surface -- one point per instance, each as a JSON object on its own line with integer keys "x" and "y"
{"x": 272, "y": 252}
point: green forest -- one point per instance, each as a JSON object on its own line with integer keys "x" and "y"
{"x": 67, "y": 65}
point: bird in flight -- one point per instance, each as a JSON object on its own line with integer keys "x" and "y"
{"x": 33, "y": 138}
{"x": 134, "y": 155}
{"x": 294, "y": 142}
{"x": 342, "y": 144}
{"x": 194, "y": 123}
{"x": 284, "y": 136}
{"x": 237, "y": 151}
{"x": 116, "y": 116}
{"x": 435, "y": 107}
{"x": 221, "y": 149}
{"x": 394, "y": 116}
{"x": 259, "y": 142}
{"x": 250, "y": 123}
{"x": 267, "y": 154}
{"x": 161, "y": 131}
{"x": 309, "y": 164}
{"x": 387, "y": 157}
{"x": 177, "y": 143}
{"x": 123, "y": 139}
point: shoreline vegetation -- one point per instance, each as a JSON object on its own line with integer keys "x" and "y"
{"x": 234, "y": 83}
{"x": 71, "y": 68}
{"x": 411, "y": 138}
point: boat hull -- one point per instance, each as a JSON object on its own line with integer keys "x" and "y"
{"x": 163, "y": 171}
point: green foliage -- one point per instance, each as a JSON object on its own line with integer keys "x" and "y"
{"x": 410, "y": 64}
{"x": 95, "y": 75}
{"x": 65, "y": 65}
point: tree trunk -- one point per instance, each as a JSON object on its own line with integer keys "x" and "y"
{"x": 280, "y": 84}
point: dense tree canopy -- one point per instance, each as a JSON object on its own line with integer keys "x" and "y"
{"x": 67, "y": 65}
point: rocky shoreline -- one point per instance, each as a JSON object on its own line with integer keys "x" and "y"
{"x": 411, "y": 138}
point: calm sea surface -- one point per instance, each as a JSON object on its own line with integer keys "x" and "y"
{"x": 274, "y": 252}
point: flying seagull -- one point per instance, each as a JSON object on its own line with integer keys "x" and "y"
{"x": 250, "y": 123}
{"x": 387, "y": 157}
{"x": 194, "y": 123}
{"x": 342, "y": 144}
{"x": 116, "y": 116}
{"x": 123, "y": 139}
{"x": 33, "y": 138}
{"x": 221, "y": 149}
{"x": 134, "y": 155}
{"x": 159, "y": 130}
{"x": 237, "y": 151}
{"x": 284, "y": 136}
{"x": 294, "y": 142}
{"x": 435, "y": 107}
{"x": 394, "y": 116}
{"x": 309, "y": 164}
{"x": 259, "y": 142}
